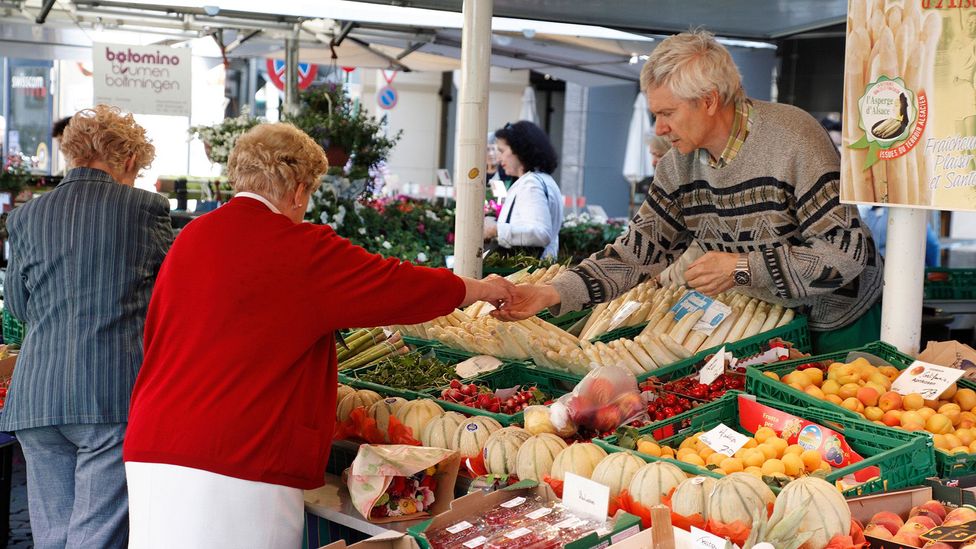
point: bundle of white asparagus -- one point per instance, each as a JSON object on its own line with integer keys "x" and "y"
{"x": 422, "y": 330}
{"x": 638, "y": 305}
{"x": 538, "y": 276}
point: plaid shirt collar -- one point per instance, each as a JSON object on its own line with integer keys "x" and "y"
{"x": 741, "y": 125}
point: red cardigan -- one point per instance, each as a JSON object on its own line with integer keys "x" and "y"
{"x": 239, "y": 375}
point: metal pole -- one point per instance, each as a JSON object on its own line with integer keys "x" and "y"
{"x": 291, "y": 74}
{"x": 904, "y": 273}
{"x": 469, "y": 169}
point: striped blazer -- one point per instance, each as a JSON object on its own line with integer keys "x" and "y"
{"x": 84, "y": 258}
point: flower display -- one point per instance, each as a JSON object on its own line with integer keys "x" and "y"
{"x": 218, "y": 139}
{"x": 407, "y": 495}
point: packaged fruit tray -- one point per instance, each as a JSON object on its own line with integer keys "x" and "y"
{"x": 473, "y": 398}
{"x": 949, "y": 463}
{"x": 943, "y": 283}
{"x": 903, "y": 458}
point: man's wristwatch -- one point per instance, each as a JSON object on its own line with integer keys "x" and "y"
{"x": 741, "y": 274}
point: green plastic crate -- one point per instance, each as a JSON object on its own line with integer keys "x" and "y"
{"x": 795, "y": 332}
{"x": 944, "y": 283}
{"x": 13, "y": 329}
{"x": 947, "y": 465}
{"x": 567, "y": 320}
{"x": 905, "y": 458}
{"x": 552, "y": 384}
{"x": 448, "y": 356}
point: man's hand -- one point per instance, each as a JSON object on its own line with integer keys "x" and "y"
{"x": 711, "y": 274}
{"x": 527, "y": 300}
{"x": 491, "y": 228}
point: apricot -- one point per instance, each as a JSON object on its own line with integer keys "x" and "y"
{"x": 890, "y": 401}
{"x": 768, "y": 450}
{"x": 880, "y": 379}
{"x": 952, "y": 440}
{"x": 797, "y": 378}
{"x": 772, "y": 375}
{"x": 848, "y": 390}
{"x": 912, "y": 421}
{"x": 815, "y": 392}
{"x": 811, "y": 460}
{"x": 892, "y": 418}
{"x": 949, "y": 392}
{"x": 793, "y": 464}
{"x": 830, "y": 387}
{"x": 778, "y": 444}
{"x": 834, "y": 399}
{"x": 951, "y": 411}
{"x": 853, "y": 404}
{"x": 890, "y": 371}
{"x": 731, "y": 465}
{"x": 881, "y": 389}
{"x": 868, "y": 396}
{"x": 793, "y": 449}
{"x": 938, "y": 423}
{"x": 965, "y": 398}
{"x": 815, "y": 375}
{"x": 965, "y": 436}
{"x": 913, "y": 401}
{"x": 754, "y": 471}
{"x": 939, "y": 441}
{"x": 926, "y": 412}
{"x": 967, "y": 419}
{"x": 763, "y": 433}
{"x": 773, "y": 466}
{"x": 873, "y": 413}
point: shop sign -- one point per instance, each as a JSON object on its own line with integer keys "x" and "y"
{"x": 909, "y": 123}
{"x": 29, "y": 84}
{"x": 143, "y": 79}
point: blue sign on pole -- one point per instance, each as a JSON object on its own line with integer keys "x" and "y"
{"x": 387, "y": 97}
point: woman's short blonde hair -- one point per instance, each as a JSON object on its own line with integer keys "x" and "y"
{"x": 105, "y": 133}
{"x": 659, "y": 144}
{"x": 272, "y": 159}
{"x": 692, "y": 64}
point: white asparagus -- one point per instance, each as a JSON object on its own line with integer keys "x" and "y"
{"x": 641, "y": 354}
{"x": 786, "y": 318}
{"x": 755, "y": 324}
{"x": 673, "y": 346}
{"x": 694, "y": 341}
{"x": 740, "y": 324}
{"x": 687, "y": 322}
{"x": 772, "y": 318}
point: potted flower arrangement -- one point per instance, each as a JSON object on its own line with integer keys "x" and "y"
{"x": 348, "y": 134}
{"x": 218, "y": 139}
{"x": 15, "y": 176}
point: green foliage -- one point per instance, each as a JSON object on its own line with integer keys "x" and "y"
{"x": 334, "y": 120}
{"x": 581, "y": 236}
{"x": 219, "y": 138}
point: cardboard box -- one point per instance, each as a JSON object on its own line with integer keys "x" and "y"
{"x": 955, "y": 492}
{"x": 645, "y": 540}
{"x": 7, "y": 366}
{"x": 393, "y": 540}
{"x": 623, "y": 525}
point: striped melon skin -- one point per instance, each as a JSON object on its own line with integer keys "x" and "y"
{"x": 470, "y": 437}
{"x": 616, "y": 471}
{"x": 381, "y": 410}
{"x": 653, "y": 481}
{"x": 341, "y": 393}
{"x": 691, "y": 496}
{"x": 580, "y": 459}
{"x": 439, "y": 432}
{"x": 535, "y": 456}
{"x": 363, "y": 398}
{"x": 739, "y": 497}
{"x": 501, "y": 450}
{"x": 827, "y": 513}
{"x": 416, "y": 414}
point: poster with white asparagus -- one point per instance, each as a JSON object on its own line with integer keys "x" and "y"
{"x": 909, "y": 123}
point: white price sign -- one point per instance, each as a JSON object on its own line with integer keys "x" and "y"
{"x": 585, "y": 497}
{"x": 714, "y": 315}
{"x": 689, "y": 303}
{"x": 705, "y": 540}
{"x": 724, "y": 440}
{"x": 713, "y": 368}
{"x": 928, "y": 380}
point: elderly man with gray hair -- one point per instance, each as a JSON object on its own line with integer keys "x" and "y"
{"x": 756, "y": 184}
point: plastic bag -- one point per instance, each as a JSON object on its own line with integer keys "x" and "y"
{"x": 540, "y": 419}
{"x": 605, "y": 399}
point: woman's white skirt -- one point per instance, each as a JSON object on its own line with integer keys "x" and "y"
{"x": 180, "y": 507}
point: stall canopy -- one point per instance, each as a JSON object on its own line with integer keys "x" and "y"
{"x": 597, "y": 42}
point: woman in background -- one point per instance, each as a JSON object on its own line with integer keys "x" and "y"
{"x": 532, "y": 214}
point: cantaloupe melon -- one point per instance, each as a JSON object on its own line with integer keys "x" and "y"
{"x": 653, "y": 481}
{"x": 470, "y": 436}
{"x": 616, "y": 471}
{"x": 416, "y": 414}
{"x": 363, "y": 398}
{"x": 580, "y": 459}
{"x": 691, "y": 496}
{"x": 439, "y": 432}
{"x": 535, "y": 456}
{"x": 826, "y": 511}
{"x": 739, "y": 497}
{"x": 501, "y": 450}
{"x": 341, "y": 393}
{"x": 381, "y": 410}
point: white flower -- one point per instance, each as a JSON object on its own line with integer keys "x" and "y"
{"x": 362, "y": 230}
{"x": 339, "y": 218}
{"x": 387, "y": 245}
{"x": 421, "y": 257}
{"x": 430, "y": 214}
{"x": 324, "y": 218}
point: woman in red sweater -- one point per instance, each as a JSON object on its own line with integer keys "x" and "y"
{"x": 233, "y": 410}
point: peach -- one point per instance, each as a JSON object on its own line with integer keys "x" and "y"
{"x": 908, "y": 538}
{"x": 913, "y": 401}
{"x": 965, "y": 398}
{"x": 890, "y": 401}
{"x": 919, "y": 512}
{"x": 873, "y": 413}
{"x": 949, "y": 392}
{"x": 877, "y": 531}
{"x": 939, "y": 424}
{"x": 959, "y": 515}
{"x": 848, "y": 390}
{"x": 892, "y": 418}
{"x": 924, "y": 522}
{"x": 935, "y": 507}
{"x": 951, "y": 411}
{"x": 867, "y": 395}
{"x": 889, "y": 520}
{"x": 830, "y": 387}
{"x": 937, "y": 545}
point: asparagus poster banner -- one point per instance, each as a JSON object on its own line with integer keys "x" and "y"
{"x": 142, "y": 79}
{"x": 909, "y": 122}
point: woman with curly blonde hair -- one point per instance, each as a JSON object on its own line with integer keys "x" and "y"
{"x": 233, "y": 411}
{"x": 84, "y": 258}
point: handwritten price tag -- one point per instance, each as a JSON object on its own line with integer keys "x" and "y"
{"x": 704, "y": 540}
{"x": 623, "y": 313}
{"x": 585, "y": 497}
{"x": 724, "y": 440}
{"x": 928, "y": 380}
{"x": 713, "y": 368}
